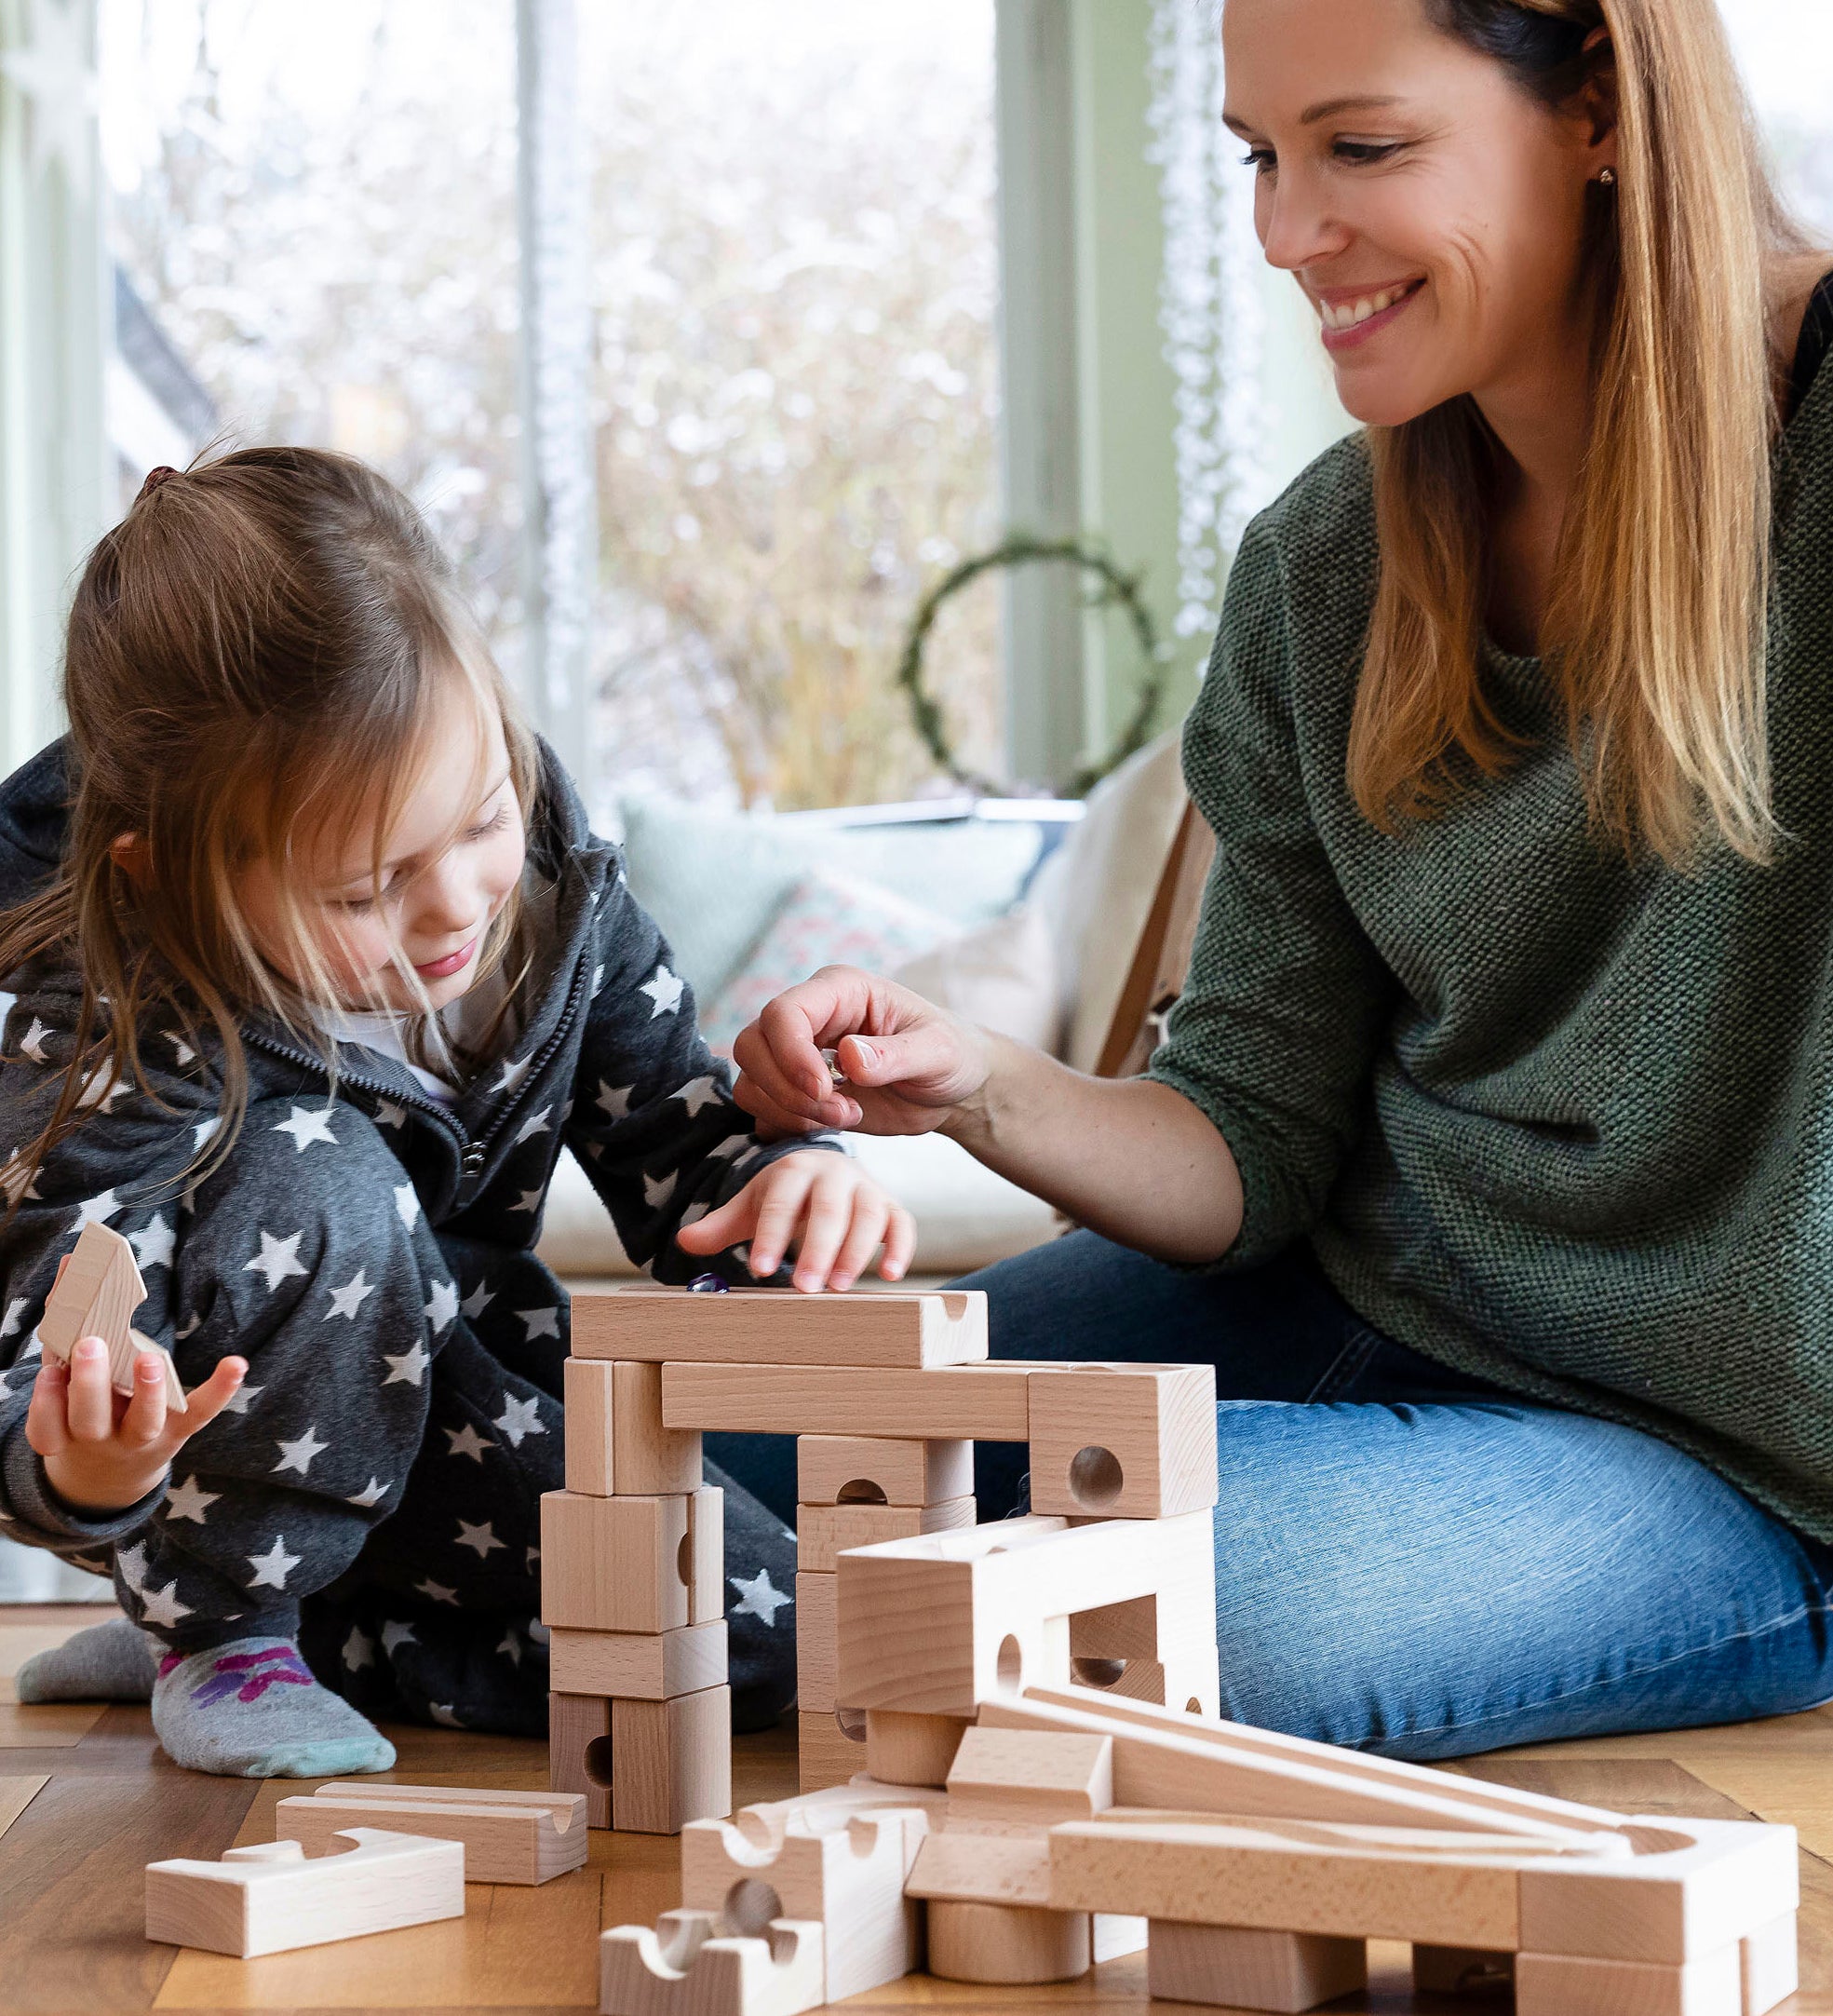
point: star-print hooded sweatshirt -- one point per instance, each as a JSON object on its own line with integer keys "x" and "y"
{"x": 368, "y": 1250}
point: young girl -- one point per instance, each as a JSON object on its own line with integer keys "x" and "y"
{"x": 315, "y": 966}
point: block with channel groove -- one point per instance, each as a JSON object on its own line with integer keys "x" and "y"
{"x": 782, "y": 1326}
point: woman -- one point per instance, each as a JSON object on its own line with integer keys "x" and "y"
{"x": 1495, "y": 1127}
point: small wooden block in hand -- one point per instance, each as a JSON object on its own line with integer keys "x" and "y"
{"x": 508, "y": 1836}
{"x": 99, "y": 1290}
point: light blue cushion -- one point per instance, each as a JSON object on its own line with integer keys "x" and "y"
{"x": 713, "y": 880}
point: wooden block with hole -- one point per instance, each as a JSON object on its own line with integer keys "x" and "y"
{"x": 867, "y": 1469}
{"x": 1241, "y": 1968}
{"x": 579, "y": 1750}
{"x": 615, "y": 1442}
{"x": 1007, "y": 1944}
{"x": 781, "y": 1326}
{"x": 829, "y": 1752}
{"x": 96, "y": 1296}
{"x": 691, "y": 1964}
{"x": 1033, "y": 1778}
{"x": 270, "y": 1898}
{"x": 911, "y": 1750}
{"x": 817, "y": 1644}
{"x": 670, "y": 1760}
{"x": 627, "y": 1564}
{"x": 1124, "y": 1441}
{"x": 823, "y": 1530}
{"x": 642, "y": 1665}
{"x": 508, "y": 1836}
{"x": 984, "y": 1402}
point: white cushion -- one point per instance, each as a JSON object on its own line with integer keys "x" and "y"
{"x": 1003, "y": 976}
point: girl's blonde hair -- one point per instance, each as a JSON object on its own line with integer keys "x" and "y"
{"x": 1656, "y": 629}
{"x": 253, "y": 658}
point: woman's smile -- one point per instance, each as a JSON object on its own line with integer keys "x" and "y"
{"x": 1351, "y": 318}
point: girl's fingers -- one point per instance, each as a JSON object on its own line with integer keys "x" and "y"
{"x": 870, "y": 1213}
{"x": 782, "y": 1188}
{"x": 900, "y": 1245}
{"x": 144, "y": 1420}
{"x": 828, "y": 1213}
{"x": 203, "y": 1405}
{"x": 46, "y": 1421}
{"x": 721, "y": 1228}
{"x": 91, "y": 1405}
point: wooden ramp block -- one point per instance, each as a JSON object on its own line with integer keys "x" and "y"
{"x": 269, "y": 1898}
{"x": 670, "y": 1760}
{"x": 1556, "y": 1984}
{"x": 781, "y": 1326}
{"x": 1032, "y": 1776}
{"x": 579, "y": 1750}
{"x": 638, "y": 1666}
{"x": 970, "y": 1866}
{"x": 1241, "y": 1968}
{"x": 614, "y": 1565}
{"x": 911, "y": 1750}
{"x": 869, "y": 1469}
{"x": 1124, "y": 1441}
{"x": 508, "y": 1836}
{"x": 1770, "y": 1964}
{"x": 1007, "y": 1943}
{"x": 823, "y": 1531}
{"x": 817, "y": 1644}
{"x": 96, "y": 1296}
{"x": 615, "y": 1442}
{"x": 691, "y": 1966}
{"x": 974, "y": 1402}
{"x": 828, "y": 1752}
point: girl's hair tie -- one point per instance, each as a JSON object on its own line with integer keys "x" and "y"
{"x": 154, "y": 479}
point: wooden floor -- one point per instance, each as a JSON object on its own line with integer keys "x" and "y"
{"x": 87, "y": 1800}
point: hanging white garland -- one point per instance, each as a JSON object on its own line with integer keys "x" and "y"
{"x": 1211, "y": 305}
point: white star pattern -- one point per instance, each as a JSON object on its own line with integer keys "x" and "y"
{"x": 477, "y": 1302}
{"x": 699, "y": 1093}
{"x": 536, "y": 1124}
{"x": 277, "y": 1259}
{"x": 11, "y": 1180}
{"x": 395, "y": 1635}
{"x": 733, "y": 1144}
{"x": 437, "y": 1592}
{"x": 466, "y": 1441}
{"x": 389, "y": 1115}
{"x": 272, "y": 1568}
{"x": 519, "y": 1417}
{"x": 32, "y": 1044}
{"x": 203, "y": 1133}
{"x": 443, "y": 1308}
{"x": 183, "y": 1053}
{"x": 372, "y": 1494}
{"x": 8, "y": 1002}
{"x": 597, "y": 981}
{"x": 513, "y": 1073}
{"x": 297, "y": 1455}
{"x": 665, "y": 990}
{"x": 444, "y": 1713}
{"x": 347, "y": 1300}
{"x": 103, "y": 1086}
{"x": 189, "y": 1328}
{"x": 237, "y": 1403}
{"x": 758, "y": 1597}
{"x": 657, "y": 1190}
{"x": 694, "y": 1214}
{"x": 96, "y": 1210}
{"x": 529, "y": 1200}
{"x": 407, "y": 1204}
{"x": 305, "y": 1127}
{"x": 614, "y": 1101}
{"x": 153, "y": 1244}
{"x": 482, "y": 1538}
{"x": 162, "y": 1607}
{"x": 540, "y": 1323}
{"x": 132, "y": 1562}
{"x": 358, "y": 1650}
{"x": 189, "y": 1501}
{"x": 407, "y": 1369}
{"x": 511, "y": 1647}
{"x": 15, "y": 1316}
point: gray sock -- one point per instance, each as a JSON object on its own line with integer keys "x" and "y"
{"x": 105, "y": 1662}
{"x": 252, "y": 1708}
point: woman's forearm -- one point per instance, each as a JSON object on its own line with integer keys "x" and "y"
{"x": 1128, "y": 1157}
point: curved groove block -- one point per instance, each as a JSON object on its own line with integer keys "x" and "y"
{"x": 690, "y": 1966}
{"x": 270, "y": 1898}
{"x": 1010, "y": 1945}
{"x": 1124, "y": 1441}
{"x": 783, "y": 1327}
{"x": 508, "y": 1836}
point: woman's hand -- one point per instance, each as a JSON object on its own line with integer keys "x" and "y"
{"x": 826, "y": 1208}
{"x": 909, "y": 1066}
{"x": 101, "y": 1452}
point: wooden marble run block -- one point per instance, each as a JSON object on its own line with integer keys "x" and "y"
{"x": 1009, "y": 1944}
{"x": 938, "y": 1624}
{"x": 1770, "y": 1965}
{"x": 508, "y": 1836}
{"x": 822, "y": 1531}
{"x": 1559, "y": 1984}
{"x": 691, "y": 1965}
{"x": 579, "y": 1750}
{"x": 1032, "y": 1776}
{"x": 817, "y": 1644}
{"x": 1459, "y": 1969}
{"x": 971, "y": 1865}
{"x": 1124, "y": 1441}
{"x": 615, "y": 1442}
{"x": 911, "y": 1750}
{"x": 625, "y": 1564}
{"x": 969, "y": 1402}
{"x": 96, "y": 1296}
{"x": 1245, "y": 1969}
{"x": 869, "y": 1470}
{"x": 670, "y": 1760}
{"x": 706, "y": 1554}
{"x": 783, "y": 1327}
{"x": 638, "y": 1666}
{"x": 270, "y": 1898}
{"x": 828, "y": 1752}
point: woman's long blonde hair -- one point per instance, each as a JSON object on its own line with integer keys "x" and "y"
{"x": 1656, "y": 629}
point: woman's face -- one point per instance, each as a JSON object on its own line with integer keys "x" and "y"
{"x": 1432, "y": 211}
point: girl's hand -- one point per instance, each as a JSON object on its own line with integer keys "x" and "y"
{"x": 826, "y": 1208}
{"x": 101, "y": 1452}
{"x": 909, "y": 1066}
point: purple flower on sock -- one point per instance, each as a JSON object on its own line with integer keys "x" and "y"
{"x": 248, "y": 1675}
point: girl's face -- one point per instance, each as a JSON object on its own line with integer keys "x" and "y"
{"x": 452, "y": 861}
{"x": 1432, "y": 212}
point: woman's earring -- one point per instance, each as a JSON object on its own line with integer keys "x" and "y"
{"x": 1607, "y": 178}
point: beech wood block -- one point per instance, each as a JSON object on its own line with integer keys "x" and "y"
{"x": 670, "y": 1760}
{"x": 1459, "y": 1969}
{"x": 615, "y": 1441}
{"x": 270, "y": 1898}
{"x": 615, "y": 1565}
{"x": 1131, "y": 1441}
{"x": 579, "y": 1750}
{"x": 976, "y": 1403}
{"x": 1007, "y": 1943}
{"x": 1036, "y": 1776}
{"x": 639, "y": 1666}
{"x": 987, "y": 1868}
{"x": 706, "y": 1554}
{"x": 817, "y": 1646}
{"x": 871, "y": 1469}
{"x": 827, "y": 1753}
{"x": 691, "y": 1964}
{"x": 782, "y": 1326}
{"x": 1771, "y": 1965}
{"x": 99, "y": 1290}
{"x": 911, "y": 1750}
{"x": 508, "y": 1836}
{"x": 1559, "y": 1984}
{"x": 823, "y": 1530}
{"x": 1240, "y": 1969}
{"x": 1190, "y": 1683}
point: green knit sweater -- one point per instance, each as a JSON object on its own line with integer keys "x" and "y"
{"x": 1551, "y": 1120}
